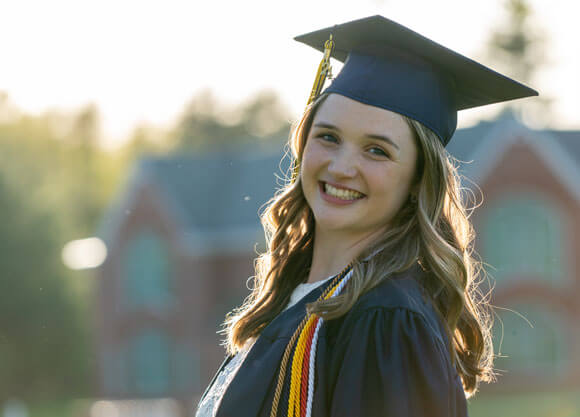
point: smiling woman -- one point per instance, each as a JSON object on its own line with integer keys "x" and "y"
{"x": 365, "y": 302}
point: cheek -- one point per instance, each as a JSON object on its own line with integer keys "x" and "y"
{"x": 312, "y": 158}
{"x": 391, "y": 187}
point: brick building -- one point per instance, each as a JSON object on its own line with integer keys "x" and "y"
{"x": 528, "y": 231}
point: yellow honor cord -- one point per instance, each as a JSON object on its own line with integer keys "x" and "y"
{"x": 296, "y": 372}
{"x": 298, "y": 361}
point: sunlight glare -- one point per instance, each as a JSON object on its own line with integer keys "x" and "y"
{"x": 84, "y": 253}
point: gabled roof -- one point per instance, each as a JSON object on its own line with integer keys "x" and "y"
{"x": 219, "y": 191}
{"x": 464, "y": 141}
{"x": 569, "y": 140}
{"x": 214, "y": 198}
{"x": 480, "y": 147}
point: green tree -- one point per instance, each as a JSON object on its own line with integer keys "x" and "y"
{"x": 84, "y": 136}
{"x": 516, "y": 47}
{"x": 43, "y": 346}
{"x": 205, "y": 125}
{"x": 57, "y": 160}
{"x": 515, "y": 44}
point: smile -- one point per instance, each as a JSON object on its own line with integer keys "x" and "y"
{"x": 341, "y": 193}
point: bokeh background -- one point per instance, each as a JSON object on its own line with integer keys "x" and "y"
{"x": 138, "y": 141}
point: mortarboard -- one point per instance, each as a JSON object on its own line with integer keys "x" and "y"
{"x": 388, "y": 65}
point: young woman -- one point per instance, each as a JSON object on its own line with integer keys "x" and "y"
{"x": 365, "y": 302}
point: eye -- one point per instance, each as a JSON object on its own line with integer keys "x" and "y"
{"x": 378, "y": 151}
{"x": 327, "y": 137}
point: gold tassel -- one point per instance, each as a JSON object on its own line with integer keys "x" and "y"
{"x": 324, "y": 71}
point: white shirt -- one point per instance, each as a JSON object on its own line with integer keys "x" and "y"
{"x": 210, "y": 404}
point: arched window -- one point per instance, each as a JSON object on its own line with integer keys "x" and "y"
{"x": 150, "y": 363}
{"x": 147, "y": 272}
{"x": 523, "y": 236}
{"x": 532, "y": 344}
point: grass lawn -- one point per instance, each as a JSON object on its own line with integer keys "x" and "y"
{"x": 553, "y": 404}
{"x": 74, "y": 408}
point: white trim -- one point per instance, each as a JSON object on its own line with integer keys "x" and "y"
{"x": 544, "y": 144}
{"x": 565, "y": 168}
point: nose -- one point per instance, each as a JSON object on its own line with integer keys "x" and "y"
{"x": 343, "y": 164}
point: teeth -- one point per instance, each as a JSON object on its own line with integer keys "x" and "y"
{"x": 340, "y": 193}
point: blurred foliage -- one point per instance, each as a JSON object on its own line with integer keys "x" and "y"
{"x": 517, "y": 44}
{"x": 43, "y": 340}
{"x": 55, "y": 183}
{"x": 205, "y": 125}
{"x": 517, "y": 47}
{"x": 55, "y": 160}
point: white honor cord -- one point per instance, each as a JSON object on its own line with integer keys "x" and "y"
{"x": 311, "y": 365}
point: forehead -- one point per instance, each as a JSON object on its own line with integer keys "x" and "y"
{"x": 346, "y": 113}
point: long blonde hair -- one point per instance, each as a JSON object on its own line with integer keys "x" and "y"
{"x": 435, "y": 231}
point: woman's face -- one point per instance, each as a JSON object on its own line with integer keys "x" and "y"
{"x": 357, "y": 167}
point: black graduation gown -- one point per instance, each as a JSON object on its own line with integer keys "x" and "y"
{"x": 386, "y": 357}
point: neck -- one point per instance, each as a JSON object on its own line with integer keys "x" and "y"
{"x": 332, "y": 253}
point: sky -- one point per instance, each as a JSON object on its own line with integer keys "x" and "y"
{"x": 142, "y": 61}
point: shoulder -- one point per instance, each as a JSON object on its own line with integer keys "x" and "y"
{"x": 392, "y": 333}
{"x": 401, "y": 290}
{"x": 401, "y": 297}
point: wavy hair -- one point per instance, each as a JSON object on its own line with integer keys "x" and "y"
{"x": 434, "y": 230}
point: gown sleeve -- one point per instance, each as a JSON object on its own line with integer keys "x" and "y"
{"x": 393, "y": 363}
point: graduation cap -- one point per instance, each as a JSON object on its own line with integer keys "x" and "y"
{"x": 388, "y": 65}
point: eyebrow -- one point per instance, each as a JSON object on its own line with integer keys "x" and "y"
{"x": 372, "y": 136}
